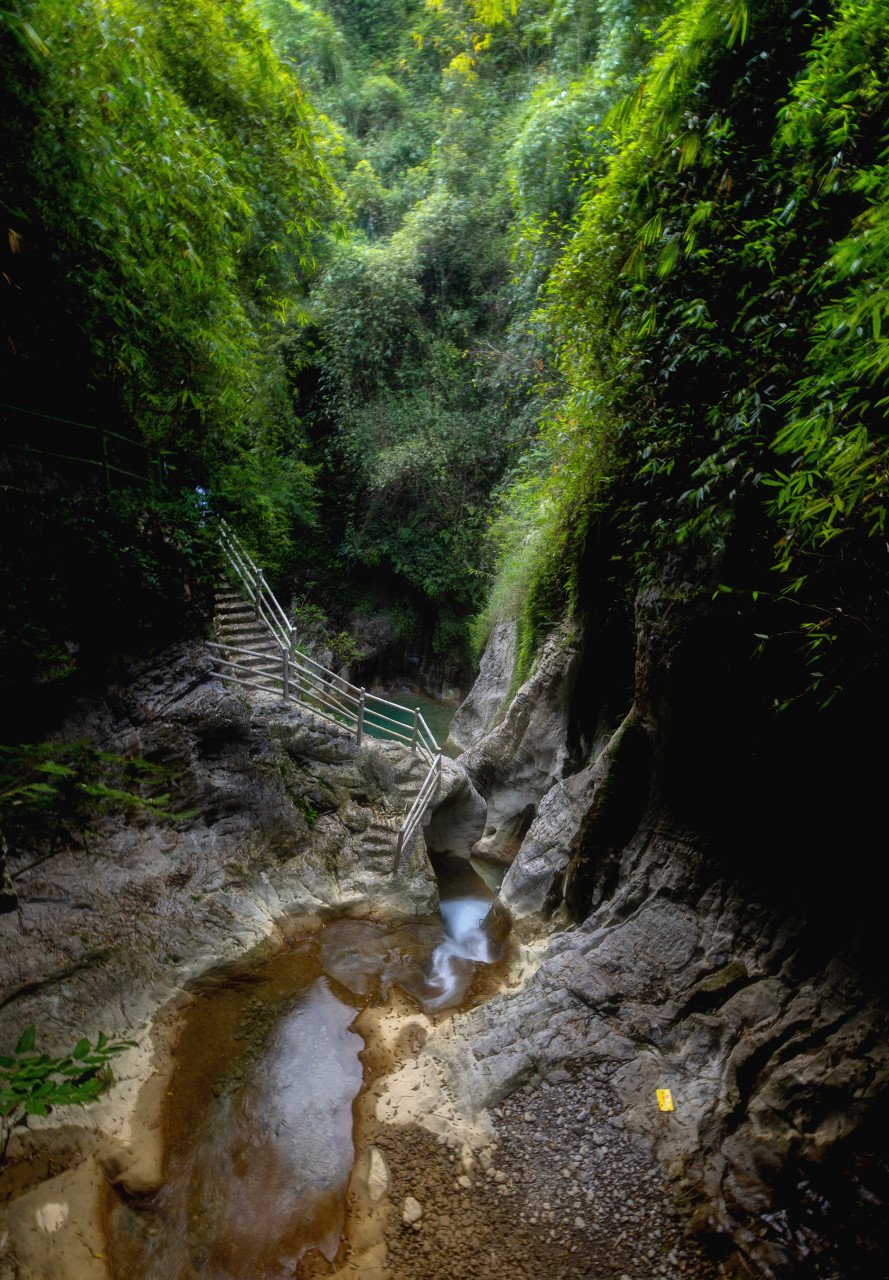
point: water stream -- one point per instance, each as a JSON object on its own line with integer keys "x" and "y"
{"x": 259, "y": 1122}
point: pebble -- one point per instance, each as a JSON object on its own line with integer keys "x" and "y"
{"x": 412, "y": 1211}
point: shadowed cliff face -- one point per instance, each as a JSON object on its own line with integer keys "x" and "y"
{"x": 718, "y": 860}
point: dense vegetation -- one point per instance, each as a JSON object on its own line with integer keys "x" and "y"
{"x": 719, "y": 311}
{"x": 163, "y": 184}
{"x": 603, "y": 273}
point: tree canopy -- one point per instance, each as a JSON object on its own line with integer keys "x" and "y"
{"x": 430, "y": 294}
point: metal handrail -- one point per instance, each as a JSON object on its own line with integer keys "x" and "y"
{"x": 431, "y": 787}
{"x": 297, "y": 682}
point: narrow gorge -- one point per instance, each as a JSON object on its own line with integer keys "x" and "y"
{"x": 516, "y": 1132}
{"x": 444, "y": 491}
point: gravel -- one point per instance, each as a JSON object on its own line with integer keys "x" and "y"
{"x": 565, "y": 1192}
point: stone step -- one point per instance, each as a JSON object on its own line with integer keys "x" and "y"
{"x": 247, "y": 621}
{"x": 252, "y": 669}
{"x": 238, "y": 636}
{"x": 255, "y": 664}
{"x": 234, "y": 609}
{"x": 234, "y": 651}
{"x": 256, "y": 644}
{"x": 381, "y": 835}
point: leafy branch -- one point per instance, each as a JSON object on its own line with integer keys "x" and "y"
{"x": 32, "y": 1084}
{"x": 50, "y": 792}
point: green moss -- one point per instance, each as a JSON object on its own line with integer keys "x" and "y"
{"x": 309, "y": 812}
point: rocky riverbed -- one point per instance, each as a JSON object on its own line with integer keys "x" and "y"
{"x": 564, "y": 1190}
{"x": 286, "y": 818}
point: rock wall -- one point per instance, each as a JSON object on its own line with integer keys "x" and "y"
{"x": 703, "y": 956}
{"x": 517, "y": 761}
{"x": 476, "y": 714}
{"x": 777, "y": 1062}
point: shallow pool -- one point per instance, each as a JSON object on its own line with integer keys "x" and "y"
{"x": 259, "y": 1116}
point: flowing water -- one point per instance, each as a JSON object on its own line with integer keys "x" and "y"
{"x": 259, "y": 1120}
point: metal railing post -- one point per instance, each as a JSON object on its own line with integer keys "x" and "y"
{"x": 291, "y": 661}
{"x": 416, "y": 733}
{"x": 257, "y": 594}
{"x": 438, "y": 776}
{"x": 285, "y": 665}
{"x": 360, "y": 726}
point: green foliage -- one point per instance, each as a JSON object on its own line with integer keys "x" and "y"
{"x": 621, "y": 262}
{"x": 366, "y": 198}
{"x": 719, "y": 313}
{"x": 307, "y": 809}
{"x": 32, "y": 1084}
{"x": 835, "y": 439}
{"x": 421, "y": 471}
{"x": 50, "y": 792}
{"x": 319, "y": 638}
{"x": 306, "y": 38}
{"x": 421, "y": 403}
{"x": 366, "y": 306}
{"x": 165, "y": 161}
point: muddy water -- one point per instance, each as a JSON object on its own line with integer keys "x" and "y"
{"x": 259, "y": 1118}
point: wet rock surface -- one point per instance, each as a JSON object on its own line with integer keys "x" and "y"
{"x": 286, "y": 817}
{"x": 564, "y": 1191}
{"x": 699, "y": 949}
{"x": 457, "y": 817}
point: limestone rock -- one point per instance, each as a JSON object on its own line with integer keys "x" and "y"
{"x": 517, "y": 762}
{"x": 533, "y": 883}
{"x": 378, "y": 1176}
{"x": 705, "y": 996}
{"x": 474, "y": 717}
{"x": 598, "y": 806}
{"x": 110, "y": 935}
{"x": 458, "y": 815}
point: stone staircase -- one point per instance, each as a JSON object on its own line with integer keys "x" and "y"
{"x": 378, "y": 840}
{"x": 236, "y": 624}
{"x": 415, "y": 771}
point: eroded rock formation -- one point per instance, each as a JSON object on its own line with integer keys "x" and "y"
{"x": 691, "y": 952}
{"x": 516, "y": 762}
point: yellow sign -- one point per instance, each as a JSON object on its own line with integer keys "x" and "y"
{"x": 665, "y": 1099}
